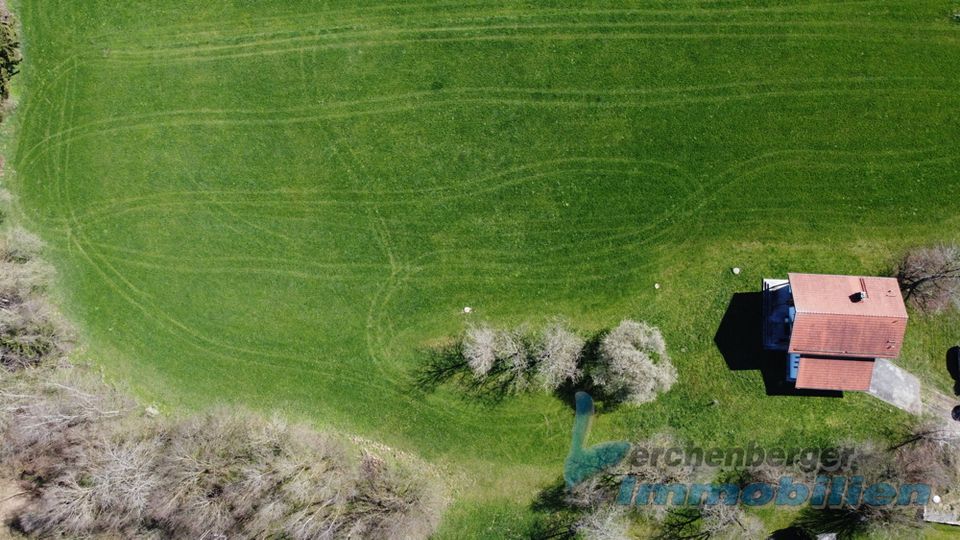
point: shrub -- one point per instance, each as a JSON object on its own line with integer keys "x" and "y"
{"x": 29, "y": 332}
{"x": 635, "y": 362}
{"x": 478, "y": 348}
{"x": 558, "y": 357}
{"x": 30, "y": 328}
{"x": 930, "y": 277}
{"x": 21, "y": 246}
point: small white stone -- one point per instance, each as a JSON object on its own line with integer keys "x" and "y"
{"x": 467, "y": 309}
{"x": 151, "y": 411}
{"x": 936, "y": 499}
{"x": 736, "y": 270}
{"x": 656, "y": 285}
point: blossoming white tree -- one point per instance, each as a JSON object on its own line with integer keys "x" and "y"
{"x": 635, "y": 362}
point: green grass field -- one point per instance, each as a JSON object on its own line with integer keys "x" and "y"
{"x": 284, "y": 204}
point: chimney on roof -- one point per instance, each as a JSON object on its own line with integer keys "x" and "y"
{"x": 862, "y": 294}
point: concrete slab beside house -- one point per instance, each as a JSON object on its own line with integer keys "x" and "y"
{"x": 833, "y": 328}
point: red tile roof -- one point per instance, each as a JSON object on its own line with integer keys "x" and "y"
{"x": 824, "y": 293}
{"x": 830, "y": 322}
{"x": 834, "y": 374}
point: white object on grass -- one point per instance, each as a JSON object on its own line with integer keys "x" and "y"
{"x": 467, "y": 309}
{"x": 656, "y": 285}
{"x": 736, "y": 270}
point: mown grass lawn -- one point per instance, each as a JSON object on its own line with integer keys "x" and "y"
{"x": 284, "y": 204}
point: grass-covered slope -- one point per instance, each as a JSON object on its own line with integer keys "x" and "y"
{"x": 283, "y": 204}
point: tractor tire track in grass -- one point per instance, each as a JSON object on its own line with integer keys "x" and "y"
{"x": 504, "y": 20}
{"x": 136, "y": 297}
{"x": 512, "y": 31}
{"x": 944, "y": 40}
{"x": 713, "y": 188}
{"x": 551, "y": 169}
{"x": 460, "y": 98}
{"x": 233, "y": 30}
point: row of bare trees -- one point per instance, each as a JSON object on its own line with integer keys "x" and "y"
{"x": 631, "y": 360}
{"x": 96, "y": 467}
{"x": 552, "y": 358}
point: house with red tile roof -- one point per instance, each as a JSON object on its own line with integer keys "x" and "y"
{"x": 833, "y": 328}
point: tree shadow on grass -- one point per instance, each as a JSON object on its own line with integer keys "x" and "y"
{"x": 739, "y": 339}
{"x": 446, "y": 365}
{"x": 791, "y": 533}
{"x": 442, "y": 364}
{"x": 556, "y": 511}
{"x": 845, "y": 522}
{"x": 553, "y": 517}
{"x": 953, "y": 368}
{"x": 682, "y": 523}
{"x": 552, "y": 498}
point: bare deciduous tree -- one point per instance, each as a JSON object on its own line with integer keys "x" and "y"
{"x": 930, "y": 277}
{"x": 512, "y": 352}
{"x": 928, "y": 455}
{"x": 607, "y": 522}
{"x": 43, "y": 409}
{"x": 593, "y": 492}
{"x": 479, "y": 347}
{"x": 720, "y": 521}
{"x": 723, "y": 521}
{"x": 558, "y": 356}
{"x": 635, "y": 362}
